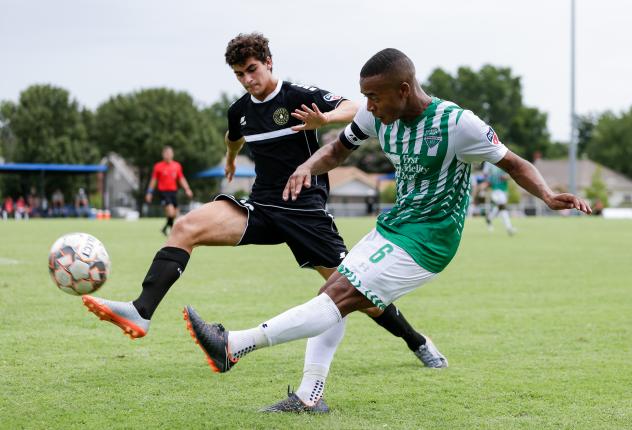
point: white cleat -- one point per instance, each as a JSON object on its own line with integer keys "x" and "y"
{"x": 430, "y": 356}
{"x": 122, "y": 314}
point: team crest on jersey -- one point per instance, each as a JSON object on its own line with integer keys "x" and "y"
{"x": 242, "y": 121}
{"x": 432, "y": 136}
{"x": 330, "y": 97}
{"x": 281, "y": 116}
{"x": 492, "y": 136}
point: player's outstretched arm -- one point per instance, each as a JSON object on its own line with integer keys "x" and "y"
{"x": 232, "y": 149}
{"x": 528, "y": 177}
{"x": 326, "y": 158}
{"x": 313, "y": 118}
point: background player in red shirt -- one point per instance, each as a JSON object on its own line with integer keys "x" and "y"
{"x": 167, "y": 174}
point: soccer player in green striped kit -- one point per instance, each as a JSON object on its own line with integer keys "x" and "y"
{"x": 432, "y": 144}
{"x": 498, "y": 182}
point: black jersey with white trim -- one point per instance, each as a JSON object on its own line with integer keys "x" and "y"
{"x": 277, "y": 150}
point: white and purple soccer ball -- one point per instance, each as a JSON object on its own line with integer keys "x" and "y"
{"x": 78, "y": 263}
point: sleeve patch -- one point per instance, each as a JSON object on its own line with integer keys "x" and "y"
{"x": 330, "y": 97}
{"x": 492, "y": 136}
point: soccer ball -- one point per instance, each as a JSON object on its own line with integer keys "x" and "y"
{"x": 78, "y": 263}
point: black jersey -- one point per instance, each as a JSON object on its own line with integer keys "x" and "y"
{"x": 277, "y": 149}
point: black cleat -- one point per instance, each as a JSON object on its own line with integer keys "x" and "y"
{"x": 296, "y": 405}
{"x": 212, "y": 338}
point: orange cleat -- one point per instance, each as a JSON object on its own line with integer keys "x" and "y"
{"x": 212, "y": 338}
{"x": 121, "y": 314}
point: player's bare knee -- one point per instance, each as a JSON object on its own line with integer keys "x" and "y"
{"x": 330, "y": 281}
{"x": 184, "y": 232}
{"x": 337, "y": 290}
{"x": 345, "y": 296}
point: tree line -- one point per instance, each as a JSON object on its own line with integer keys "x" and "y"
{"x": 47, "y": 125}
{"x": 495, "y": 94}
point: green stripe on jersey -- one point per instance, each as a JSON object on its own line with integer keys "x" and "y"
{"x": 458, "y": 116}
{"x": 387, "y": 138}
{"x": 399, "y": 144}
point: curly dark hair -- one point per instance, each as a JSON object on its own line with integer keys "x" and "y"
{"x": 245, "y": 46}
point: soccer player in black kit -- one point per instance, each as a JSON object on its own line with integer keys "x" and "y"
{"x": 278, "y": 121}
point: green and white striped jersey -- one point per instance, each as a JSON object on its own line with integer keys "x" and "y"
{"x": 498, "y": 179}
{"x": 432, "y": 156}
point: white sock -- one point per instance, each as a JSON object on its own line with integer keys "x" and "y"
{"x": 493, "y": 213}
{"x": 242, "y": 342}
{"x": 307, "y": 320}
{"x": 318, "y": 357}
{"x": 504, "y": 214}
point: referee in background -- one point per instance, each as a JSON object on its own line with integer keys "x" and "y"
{"x": 166, "y": 176}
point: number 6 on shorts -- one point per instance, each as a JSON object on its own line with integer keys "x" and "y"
{"x": 381, "y": 253}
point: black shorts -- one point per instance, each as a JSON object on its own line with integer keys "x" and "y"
{"x": 311, "y": 234}
{"x": 168, "y": 198}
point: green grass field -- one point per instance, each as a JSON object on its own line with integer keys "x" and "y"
{"x": 537, "y": 329}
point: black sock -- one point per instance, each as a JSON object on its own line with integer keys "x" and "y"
{"x": 168, "y": 265}
{"x": 168, "y": 225}
{"x": 393, "y": 321}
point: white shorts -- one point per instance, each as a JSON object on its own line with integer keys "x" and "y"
{"x": 381, "y": 270}
{"x": 499, "y": 197}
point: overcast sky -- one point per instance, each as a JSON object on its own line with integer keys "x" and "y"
{"x": 99, "y": 48}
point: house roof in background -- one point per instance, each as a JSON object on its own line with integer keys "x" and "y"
{"x": 556, "y": 173}
{"x": 341, "y": 175}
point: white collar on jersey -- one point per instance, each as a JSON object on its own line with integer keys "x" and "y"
{"x": 271, "y": 95}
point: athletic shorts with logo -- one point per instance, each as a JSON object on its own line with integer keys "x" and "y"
{"x": 168, "y": 198}
{"x": 311, "y": 234}
{"x": 382, "y": 271}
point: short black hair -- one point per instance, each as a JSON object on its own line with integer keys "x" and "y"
{"x": 388, "y": 60}
{"x": 245, "y": 46}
